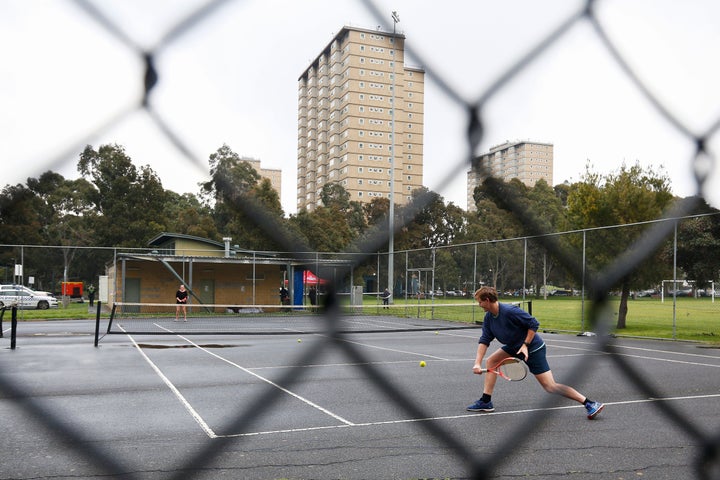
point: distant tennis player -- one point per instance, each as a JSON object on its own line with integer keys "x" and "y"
{"x": 181, "y": 297}
{"x": 516, "y": 329}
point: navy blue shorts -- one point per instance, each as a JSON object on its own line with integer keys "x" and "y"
{"x": 537, "y": 363}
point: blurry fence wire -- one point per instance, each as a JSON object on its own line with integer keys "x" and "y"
{"x": 597, "y": 285}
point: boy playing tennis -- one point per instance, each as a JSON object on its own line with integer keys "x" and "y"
{"x": 517, "y": 331}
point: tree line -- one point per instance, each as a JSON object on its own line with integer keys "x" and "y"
{"x": 115, "y": 204}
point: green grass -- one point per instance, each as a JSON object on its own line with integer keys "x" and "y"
{"x": 73, "y": 311}
{"x": 695, "y": 319}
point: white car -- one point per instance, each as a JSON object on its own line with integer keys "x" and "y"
{"x": 21, "y": 287}
{"x": 23, "y": 297}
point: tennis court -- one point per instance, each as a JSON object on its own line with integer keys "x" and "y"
{"x": 347, "y": 406}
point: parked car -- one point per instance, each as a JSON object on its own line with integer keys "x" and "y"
{"x": 21, "y": 287}
{"x": 684, "y": 292}
{"x": 25, "y": 298}
{"x": 647, "y": 293}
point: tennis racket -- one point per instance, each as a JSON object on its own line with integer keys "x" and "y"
{"x": 511, "y": 369}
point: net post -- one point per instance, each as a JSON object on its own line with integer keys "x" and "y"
{"x": 13, "y": 330}
{"x": 97, "y": 323}
{"x": 2, "y": 314}
{"x": 529, "y": 307}
{"x": 112, "y": 316}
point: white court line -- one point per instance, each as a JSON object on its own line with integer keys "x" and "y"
{"x": 195, "y": 415}
{"x": 346, "y": 423}
{"x": 395, "y": 350}
{"x": 266, "y": 380}
{"x": 655, "y": 350}
{"x": 553, "y": 343}
{"x": 645, "y": 357}
{"x": 466, "y": 415}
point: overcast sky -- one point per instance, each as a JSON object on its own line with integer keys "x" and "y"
{"x": 232, "y": 79}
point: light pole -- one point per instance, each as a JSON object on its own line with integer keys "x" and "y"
{"x": 391, "y": 213}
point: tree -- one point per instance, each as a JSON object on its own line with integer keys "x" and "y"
{"x": 244, "y": 207}
{"x": 432, "y": 224}
{"x": 376, "y": 211}
{"x": 68, "y": 214}
{"x": 548, "y": 207}
{"x": 497, "y": 261}
{"x": 22, "y": 222}
{"x": 698, "y": 240}
{"x": 187, "y": 215}
{"x": 50, "y": 210}
{"x": 337, "y": 200}
{"x": 129, "y": 201}
{"x": 21, "y": 216}
{"x": 324, "y": 229}
{"x": 628, "y": 196}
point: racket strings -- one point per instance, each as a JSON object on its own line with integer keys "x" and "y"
{"x": 514, "y": 370}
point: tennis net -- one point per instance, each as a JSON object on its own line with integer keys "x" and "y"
{"x": 160, "y": 318}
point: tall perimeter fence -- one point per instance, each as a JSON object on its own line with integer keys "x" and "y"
{"x": 596, "y": 287}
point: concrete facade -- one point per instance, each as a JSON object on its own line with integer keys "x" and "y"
{"x": 525, "y": 160}
{"x": 345, "y": 111}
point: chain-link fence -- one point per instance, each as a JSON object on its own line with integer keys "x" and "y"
{"x": 596, "y": 287}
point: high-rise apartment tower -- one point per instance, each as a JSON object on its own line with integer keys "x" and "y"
{"x": 345, "y": 103}
{"x": 525, "y": 160}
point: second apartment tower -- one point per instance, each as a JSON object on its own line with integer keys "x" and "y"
{"x": 345, "y": 111}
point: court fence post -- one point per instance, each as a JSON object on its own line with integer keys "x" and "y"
{"x": 13, "y": 328}
{"x": 97, "y": 323}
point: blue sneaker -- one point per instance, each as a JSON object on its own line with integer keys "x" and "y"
{"x": 593, "y": 408}
{"x": 481, "y": 406}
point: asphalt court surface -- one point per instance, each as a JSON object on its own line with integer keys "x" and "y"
{"x": 160, "y": 406}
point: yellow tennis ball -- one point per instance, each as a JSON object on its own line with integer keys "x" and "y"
{"x": 299, "y": 340}
{"x": 422, "y": 363}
